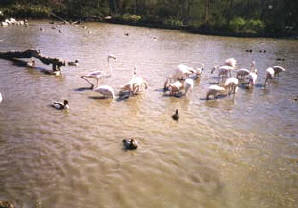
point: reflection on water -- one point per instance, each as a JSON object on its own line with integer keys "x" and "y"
{"x": 236, "y": 151}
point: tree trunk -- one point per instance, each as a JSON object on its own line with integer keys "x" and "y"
{"x": 30, "y": 53}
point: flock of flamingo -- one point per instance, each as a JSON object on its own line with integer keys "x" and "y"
{"x": 181, "y": 82}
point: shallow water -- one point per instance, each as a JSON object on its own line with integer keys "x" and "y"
{"x": 237, "y": 151}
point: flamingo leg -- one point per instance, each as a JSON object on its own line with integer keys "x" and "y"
{"x": 92, "y": 85}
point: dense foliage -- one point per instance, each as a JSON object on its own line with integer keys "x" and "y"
{"x": 240, "y": 16}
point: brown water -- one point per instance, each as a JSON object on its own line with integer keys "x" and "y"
{"x": 232, "y": 152}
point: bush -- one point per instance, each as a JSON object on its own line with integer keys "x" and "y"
{"x": 238, "y": 24}
{"x": 27, "y": 11}
{"x": 255, "y": 25}
{"x": 131, "y": 17}
{"x": 172, "y": 21}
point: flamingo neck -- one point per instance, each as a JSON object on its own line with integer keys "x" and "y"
{"x": 110, "y": 67}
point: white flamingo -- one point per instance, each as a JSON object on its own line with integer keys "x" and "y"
{"x": 188, "y": 85}
{"x": 99, "y": 74}
{"x": 183, "y": 72}
{"x": 175, "y": 87}
{"x": 215, "y": 90}
{"x": 269, "y": 75}
{"x": 278, "y": 69}
{"x": 252, "y": 79}
{"x": 223, "y": 71}
{"x": 231, "y": 85}
{"x": 105, "y": 90}
{"x": 136, "y": 85}
{"x": 231, "y": 62}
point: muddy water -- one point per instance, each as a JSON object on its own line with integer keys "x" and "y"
{"x": 237, "y": 151}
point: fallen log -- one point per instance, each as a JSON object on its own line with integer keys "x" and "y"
{"x": 31, "y": 53}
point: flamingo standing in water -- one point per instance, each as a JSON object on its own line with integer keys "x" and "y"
{"x": 277, "y": 70}
{"x": 106, "y": 90}
{"x": 99, "y": 74}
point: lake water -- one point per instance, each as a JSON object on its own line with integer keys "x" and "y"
{"x": 233, "y": 152}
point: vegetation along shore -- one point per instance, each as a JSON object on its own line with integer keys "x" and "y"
{"x": 243, "y": 18}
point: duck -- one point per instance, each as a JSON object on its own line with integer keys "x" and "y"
{"x": 73, "y": 63}
{"x": 130, "y": 144}
{"x": 61, "y": 106}
{"x": 176, "y": 115}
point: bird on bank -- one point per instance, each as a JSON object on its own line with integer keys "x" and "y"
{"x": 176, "y": 115}
{"x": 61, "y": 106}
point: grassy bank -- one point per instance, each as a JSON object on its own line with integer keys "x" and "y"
{"x": 237, "y": 27}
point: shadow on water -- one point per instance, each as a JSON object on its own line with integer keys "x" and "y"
{"x": 80, "y": 89}
{"x": 98, "y": 97}
{"x": 178, "y": 95}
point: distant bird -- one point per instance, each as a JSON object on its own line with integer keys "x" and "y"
{"x": 130, "y": 144}
{"x": 73, "y": 63}
{"x": 1, "y": 98}
{"x": 61, "y": 106}
{"x": 127, "y": 34}
{"x": 249, "y": 50}
{"x": 176, "y": 115}
{"x": 280, "y": 59}
{"x": 41, "y": 29}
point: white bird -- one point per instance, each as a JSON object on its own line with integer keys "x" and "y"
{"x": 269, "y": 75}
{"x": 105, "y": 90}
{"x": 241, "y": 73}
{"x": 215, "y": 90}
{"x": 182, "y": 72}
{"x": 252, "y": 79}
{"x": 1, "y": 98}
{"x": 61, "y": 106}
{"x": 231, "y": 85}
{"x": 278, "y": 69}
{"x": 223, "y": 71}
{"x": 188, "y": 85}
{"x": 231, "y": 62}
{"x": 136, "y": 85}
{"x": 99, "y": 74}
{"x": 175, "y": 87}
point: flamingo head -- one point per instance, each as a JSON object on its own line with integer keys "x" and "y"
{"x": 112, "y": 57}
